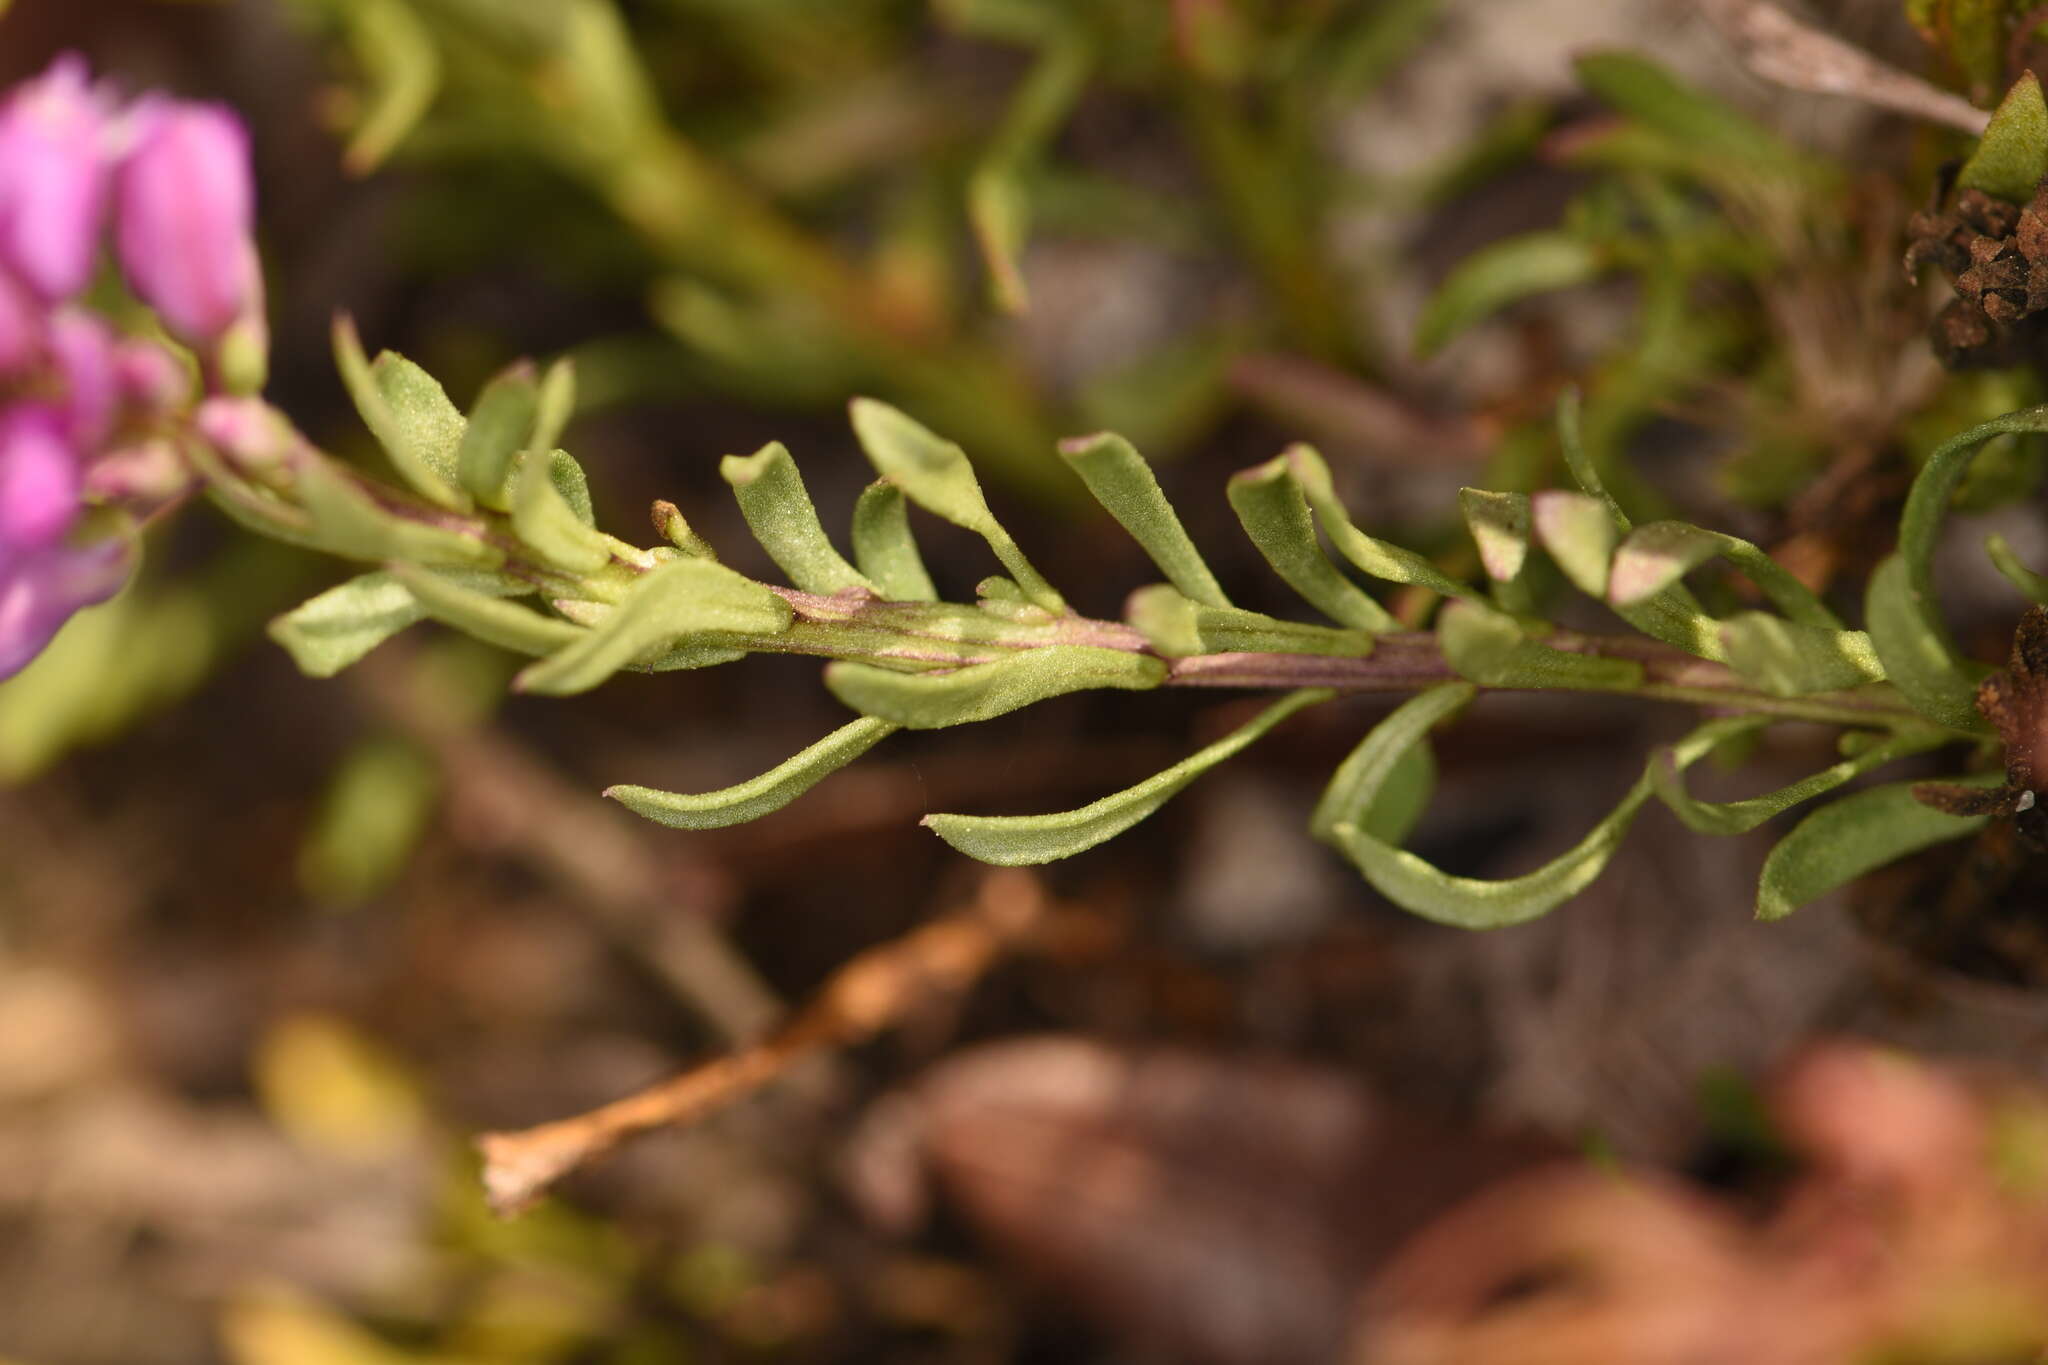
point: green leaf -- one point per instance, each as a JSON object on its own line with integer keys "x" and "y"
{"x": 500, "y": 426}
{"x": 1646, "y": 91}
{"x": 779, "y": 511}
{"x": 884, "y": 548}
{"x": 930, "y": 701}
{"x": 403, "y": 67}
{"x": 569, "y": 479}
{"x": 1672, "y": 614}
{"x": 769, "y": 792}
{"x": 1176, "y": 627}
{"x": 684, "y": 597}
{"x": 1911, "y": 639}
{"x": 378, "y": 804}
{"x": 998, "y": 206}
{"x": 547, "y": 523}
{"x": 1492, "y": 649}
{"x": 1579, "y": 534}
{"x": 1506, "y": 272}
{"x": 1375, "y": 557}
{"x": 1024, "y": 840}
{"x": 1914, "y": 649}
{"x": 1273, "y": 508}
{"x": 554, "y": 406}
{"x": 676, "y": 530}
{"x": 477, "y": 611}
{"x": 327, "y": 633}
{"x": 935, "y": 474}
{"x": 1499, "y": 524}
{"x": 2032, "y": 585}
{"x": 408, "y": 413}
{"x": 347, "y": 522}
{"x": 1383, "y": 784}
{"x": 1847, "y": 838}
{"x": 1465, "y": 902}
{"x": 1791, "y": 659}
{"x": 1121, "y": 480}
{"x": 1654, "y": 557}
{"x": 2013, "y": 155}
{"x": 1739, "y": 817}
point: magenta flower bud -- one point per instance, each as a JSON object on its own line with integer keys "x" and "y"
{"x": 53, "y": 178}
{"x": 40, "y": 593}
{"x": 39, "y": 482}
{"x": 150, "y": 378}
{"x": 184, "y": 214}
{"x": 83, "y": 348}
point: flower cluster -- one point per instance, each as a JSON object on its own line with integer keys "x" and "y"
{"x": 89, "y": 416}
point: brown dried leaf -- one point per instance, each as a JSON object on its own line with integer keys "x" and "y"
{"x": 1210, "y": 1209}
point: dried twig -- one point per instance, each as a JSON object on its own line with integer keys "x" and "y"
{"x": 876, "y": 989}
{"x": 1787, "y": 52}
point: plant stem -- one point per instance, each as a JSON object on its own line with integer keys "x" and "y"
{"x": 896, "y": 634}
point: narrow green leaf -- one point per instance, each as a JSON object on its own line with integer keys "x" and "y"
{"x": 1739, "y": 817}
{"x": 1492, "y": 649}
{"x": 2031, "y": 585}
{"x": 484, "y": 614}
{"x": 1792, "y": 660}
{"x": 1934, "y": 488}
{"x": 779, "y": 511}
{"x": 499, "y": 427}
{"x": 1646, "y": 91}
{"x": 1654, "y": 557}
{"x": 1673, "y": 614}
{"x": 884, "y": 548}
{"x": 569, "y": 480}
{"x": 548, "y": 525}
{"x": 684, "y": 597}
{"x": 1124, "y": 484}
{"x": 1375, "y": 557}
{"x": 998, "y": 205}
{"x": 424, "y": 430}
{"x": 676, "y": 530}
{"x": 1579, "y": 534}
{"x": 327, "y": 633}
{"x": 1465, "y": 902}
{"x": 1913, "y": 646}
{"x": 1025, "y": 840}
{"x": 930, "y": 701}
{"x": 2013, "y": 155}
{"x": 1402, "y": 799}
{"x": 1499, "y": 524}
{"x": 1176, "y": 627}
{"x": 403, "y": 70}
{"x": 769, "y": 792}
{"x": 347, "y": 522}
{"x": 555, "y": 405}
{"x": 1506, "y": 272}
{"x": 934, "y": 474}
{"x": 1273, "y": 508}
{"x": 1857, "y": 834}
{"x": 1381, "y": 786}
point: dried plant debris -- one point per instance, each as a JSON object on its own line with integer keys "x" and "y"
{"x": 1917, "y": 1229}
{"x": 2015, "y": 701}
{"x": 1989, "y": 249}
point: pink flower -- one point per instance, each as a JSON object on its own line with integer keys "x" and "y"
{"x": 39, "y": 593}
{"x": 53, "y": 179}
{"x": 83, "y": 348}
{"x": 40, "y": 481}
{"x": 184, "y": 218}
